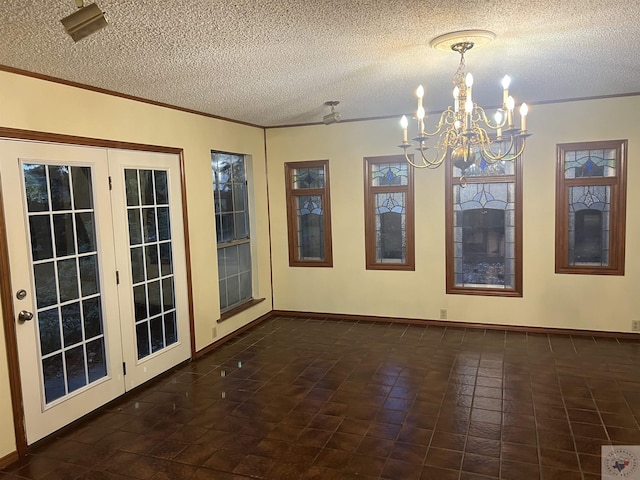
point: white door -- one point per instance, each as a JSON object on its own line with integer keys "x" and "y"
{"x": 66, "y": 235}
{"x": 150, "y": 252}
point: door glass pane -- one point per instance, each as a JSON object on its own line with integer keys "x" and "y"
{"x": 49, "y": 326}
{"x": 71, "y": 324}
{"x": 96, "y": 360}
{"x": 35, "y": 181}
{"x": 45, "y": 278}
{"x": 67, "y": 285}
{"x": 151, "y": 264}
{"x": 88, "y": 275}
{"x": 60, "y": 187}
{"x": 63, "y": 231}
{"x": 40, "y": 233}
{"x": 86, "y": 232}
{"x": 82, "y": 192}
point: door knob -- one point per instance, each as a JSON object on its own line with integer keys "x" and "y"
{"x": 24, "y": 316}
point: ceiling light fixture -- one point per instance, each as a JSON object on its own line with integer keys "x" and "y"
{"x": 334, "y": 116}
{"x": 84, "y": 21}
{"x": 463, "y": 130}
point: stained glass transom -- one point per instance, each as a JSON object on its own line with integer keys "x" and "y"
{"x": 389, "y": 174}
{"x": 64, "y": 254}
{"x": 590, "y": 163}
{"x": 308, "y": 177}
{"x": 150, "y": 246}
{"x": 484, "y": 235}
{"x": 485, "y": 169}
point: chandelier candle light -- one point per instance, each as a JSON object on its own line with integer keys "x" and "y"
{"x": 463, "y": 131}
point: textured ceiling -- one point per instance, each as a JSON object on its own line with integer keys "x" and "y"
{"x": 276, "y": 62}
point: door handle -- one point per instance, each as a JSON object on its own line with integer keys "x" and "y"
{"x": 24, "y": 316}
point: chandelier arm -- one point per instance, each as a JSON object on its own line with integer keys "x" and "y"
{"x": 446, "y": 118}
{"x": 416, "y": 165}
{"x": 482, "y": 115}
{"x": 492, "y": 157}
{"x": 437, "y": 161}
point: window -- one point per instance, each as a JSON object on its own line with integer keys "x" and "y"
{"x": 484, "y": 229}
{"x": 591, "y": 207}
{"x": 389, "y": 227}
{"x": 232, "y": 229}
{"x": 308, "y": 213}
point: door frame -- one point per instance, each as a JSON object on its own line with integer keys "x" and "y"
{"x": 6, "y": 295}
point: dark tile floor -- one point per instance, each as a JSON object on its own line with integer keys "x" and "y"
{"x": 311, "y": 399}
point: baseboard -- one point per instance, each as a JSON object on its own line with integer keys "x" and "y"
{"x": 226, "y": 338}
{"x": 455, "y": 324}
{"x": 8, "y": 460}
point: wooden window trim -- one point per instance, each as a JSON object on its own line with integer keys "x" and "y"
{"x": 618, "y": 213}
{"x": 451, "y": 287}
{"x": 292, "y": 220}
{"x": 369, "y": 215}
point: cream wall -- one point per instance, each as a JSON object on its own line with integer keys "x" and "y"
{"x": 33, "y": 104}
{"x": 550, "y": 300}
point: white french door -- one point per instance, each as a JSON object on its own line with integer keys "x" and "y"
{"x": 84, "y": 310}
{"x": 150, "y": 254}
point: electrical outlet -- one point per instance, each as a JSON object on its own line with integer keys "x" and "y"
{"x": 443, "y": 314}
{"x": 635, "y": 325}
{"x": 214, "y": 332}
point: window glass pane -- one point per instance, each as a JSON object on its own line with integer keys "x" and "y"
{"x": 484, "y": 238}
{"x": 482, "y": 168}
{"x": 310, "y": 227}
{"x": 312, "y": 177}
{"x": 389, "y": 174}
{"x": 590, "y": 163}
{"x": 225, "y": 228}
{"x": 244, "y": 257}
{"x": 589, "y": 221}
{"x": 390, "y": 219}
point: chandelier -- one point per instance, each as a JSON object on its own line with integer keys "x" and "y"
{"x": 464, "y": 131}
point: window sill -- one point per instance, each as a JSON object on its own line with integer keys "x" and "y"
{"x": 239, "y": 308}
